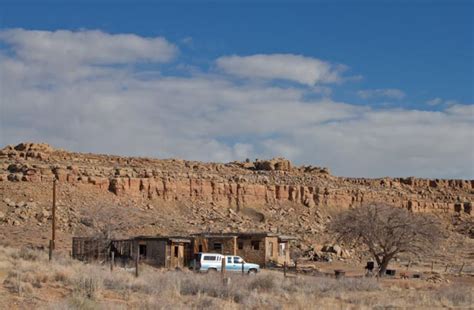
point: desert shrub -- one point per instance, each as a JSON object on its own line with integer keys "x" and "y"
{"x": 327, "y": 286}
{"x": 257, "y": 300}
{"x": 88, "y": 286}
{"x": 28, "y": 254}
{"x": 63, "y": 275}
{"x": 263, "y": 282}
{"x": 356, "y": 284}
{"x": 208, "y": 285}
{"x": 75, "y": 302}
{"x": 40, "y": 278}
{"x": 117, "y": 281}
{"x": 62, "y": 259}
{"x": 456, "y": 295}
{"x": 16, "y": 285}
{"x": 205, "y": 302}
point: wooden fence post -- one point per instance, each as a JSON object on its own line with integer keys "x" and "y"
{"x": 112, "y": 261}
{"x": 223, "y": 266}
{"x": 136, "y": 260}
{"x": 50, "y": 249}
{"x": 284, "y": 269}
{"x": 243, "y": 268}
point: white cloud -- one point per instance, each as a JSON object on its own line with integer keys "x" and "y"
{"x": 434, "y": 101}
{"x": 391, "y": 93}
{"x": 439, "y": 101}
{"x": 304, "y": 70}
{"x": 209, "y": 117}
{"x": 86, "y": 47}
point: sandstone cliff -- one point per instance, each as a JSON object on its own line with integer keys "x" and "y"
{"x": 233, "y": 184}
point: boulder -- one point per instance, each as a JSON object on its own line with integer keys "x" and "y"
{"x": 278, "y": 164}
{"x": 9, "y": 202}
{"x": 336, "y": 249}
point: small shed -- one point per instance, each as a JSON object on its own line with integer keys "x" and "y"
{"x": 159, "y": 251}
{"x": 90, "y": 248}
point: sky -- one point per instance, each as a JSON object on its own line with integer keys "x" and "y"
{"x": 366, "y": 88}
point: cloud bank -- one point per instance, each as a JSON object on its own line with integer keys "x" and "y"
{"x": 95, "y": 100}
{"x": 304, "y": 70}
{"x": 389, "y": 93}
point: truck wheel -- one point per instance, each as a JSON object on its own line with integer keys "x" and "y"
{"x": 252, "y": 272}
{"x": 211, "y": 270}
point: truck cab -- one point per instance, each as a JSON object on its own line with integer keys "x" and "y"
{"x": 208, "y": 262}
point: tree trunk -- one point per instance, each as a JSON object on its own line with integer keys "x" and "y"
{"x": 383, "y": 265}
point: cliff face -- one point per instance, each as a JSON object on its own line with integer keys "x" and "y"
{"x": 235, "y": 185}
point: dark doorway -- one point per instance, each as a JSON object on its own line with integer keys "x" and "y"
{"x": 142, "y": 250}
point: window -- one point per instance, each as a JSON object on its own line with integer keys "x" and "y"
{"x": 255, "y": 245}
{"x": 218, "y": 246}
{"x": 238, "y": 260}
{"x": 176, "y": 251}
{"x": 282, "y": 249}
{"x": 240, "y": 245}
{"x": 209, "y": 257}
{"x": 229, "y": 260}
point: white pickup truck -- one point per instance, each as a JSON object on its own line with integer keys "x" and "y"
{"x": 206, "y": 262}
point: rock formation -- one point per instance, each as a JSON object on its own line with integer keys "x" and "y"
{"x": 263, "y": 182}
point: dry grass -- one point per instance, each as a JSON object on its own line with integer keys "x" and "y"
{"x": 30, "y": 275}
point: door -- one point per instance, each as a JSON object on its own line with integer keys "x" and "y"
{"x": 229, "y": 264}
{"x": 177, "y": 255}
{"x": 233, "y": 263}
{"x": 181, "y": 255}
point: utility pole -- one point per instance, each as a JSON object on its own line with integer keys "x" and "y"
{"x": 53, "y": 224}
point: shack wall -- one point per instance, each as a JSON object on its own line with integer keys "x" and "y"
{"x": 227, "y": 245}
{"x": 155, "y": 251}
{"x": 252, "y": 249}
{"x": 90, "y": 249}
{"x": 271, "y": 249}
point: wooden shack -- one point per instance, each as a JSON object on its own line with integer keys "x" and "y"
{"x": 262, "y": 248}
{"x": 257, "y": 247}
{"x": 159, "y": 251}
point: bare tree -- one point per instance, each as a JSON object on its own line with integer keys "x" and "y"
{"x": 387, "y": 231}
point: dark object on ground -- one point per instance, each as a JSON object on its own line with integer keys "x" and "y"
{"x": 370, "y": 266}
{"x": 339, "y": 273}
{"x": 390, "y": 272}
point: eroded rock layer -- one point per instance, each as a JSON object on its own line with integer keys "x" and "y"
{"x": 236, "y": 184}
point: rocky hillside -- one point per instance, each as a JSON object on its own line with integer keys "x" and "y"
{"x": 129, "y": 195}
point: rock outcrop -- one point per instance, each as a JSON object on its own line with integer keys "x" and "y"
{"x": 234, "y": 184}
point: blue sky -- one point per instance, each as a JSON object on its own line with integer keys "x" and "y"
{"x": 400, "y": 59}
